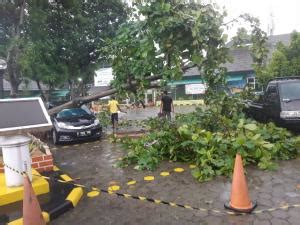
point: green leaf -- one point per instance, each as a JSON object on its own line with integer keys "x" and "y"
{"x": 268, "y": 145}
{"x": 167, "y": 6}
{"x": 250, "y": 145}
{"x": 241, "y": 123}
{"x": 258, "y": 153}
{"x": 251, "y": 127}
{"x": 256, "y": 136}
{"x": 195, "y": 137}
{"x": 197, "y": 59}
{"x": 144, "y": 54}
{"x": 196, "y": 173}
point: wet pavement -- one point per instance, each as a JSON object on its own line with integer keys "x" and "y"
{"x": 140, "y": 113}
{"x": 94, "y": 163}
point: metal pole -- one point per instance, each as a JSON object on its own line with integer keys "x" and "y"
{"x": 146, "y": 97}
{"x": 3, "y": 66}
{"x": 1, "y": 84}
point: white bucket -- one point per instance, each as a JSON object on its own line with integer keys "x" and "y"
{"x": 16, "y": 155}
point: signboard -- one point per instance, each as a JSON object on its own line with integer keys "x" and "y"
{"x": 103, "y": 77}
{"x": 194, "y": 89}
{"x": 23, "y": 115}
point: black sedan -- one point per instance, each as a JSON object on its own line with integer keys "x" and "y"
{"x": 75, "y": 124}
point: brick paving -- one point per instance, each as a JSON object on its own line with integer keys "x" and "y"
{"x": 94, "y": 163}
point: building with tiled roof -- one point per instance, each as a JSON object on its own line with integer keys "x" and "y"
{"x": 239, "y": 69}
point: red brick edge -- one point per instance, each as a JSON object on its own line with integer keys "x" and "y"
{"x": 40, "y": 163}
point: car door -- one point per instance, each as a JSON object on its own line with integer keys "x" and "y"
{"x": 272, "y": 103}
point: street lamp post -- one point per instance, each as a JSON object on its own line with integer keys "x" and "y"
{"x": 81, "y": 89}
{"x": 3, "y": 67}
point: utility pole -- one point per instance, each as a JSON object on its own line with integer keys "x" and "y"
{"x": 271, "y": 25}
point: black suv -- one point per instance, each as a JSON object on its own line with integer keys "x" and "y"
{"x": 280, "y": 103}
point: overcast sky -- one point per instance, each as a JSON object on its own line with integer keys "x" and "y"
{"x": 286, "y": 14}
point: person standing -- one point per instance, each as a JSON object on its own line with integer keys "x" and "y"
{"x": 166, "y": 106}
{"x": 113, "y": 106}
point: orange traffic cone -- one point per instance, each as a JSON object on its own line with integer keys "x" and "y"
{"x": 32, "y": 213}
{"x": 239, "y": 200}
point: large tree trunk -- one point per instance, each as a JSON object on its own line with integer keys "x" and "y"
{"x": 87, "y": 99}
{"x": 72, "y": 90}
{"x": 13, "y": 54}
{"x": 41, "y": 90}
{"x": 13, "y": 71}
{"x": 14, "y": 89}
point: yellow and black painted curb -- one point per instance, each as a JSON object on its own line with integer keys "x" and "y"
{"x": 185, "y": 206}
{"x": 198, "y": 102}
{"x": 110, "y": 191}
{"x": 72, "y": 200}
{"x": 215, "y": 211}
{"x": 20, "y": 221}
{"x": 64, "y": 195}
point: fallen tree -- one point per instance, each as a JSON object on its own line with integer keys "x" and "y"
{"x": 209, "y": 139}
{"x": 173, "y": 37}
{"x": 83, "y": 100}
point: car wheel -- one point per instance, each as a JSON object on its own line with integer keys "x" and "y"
{"x": 55, "y": 137}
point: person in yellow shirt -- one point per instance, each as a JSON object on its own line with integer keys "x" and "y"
{"x": 113, "y": 106}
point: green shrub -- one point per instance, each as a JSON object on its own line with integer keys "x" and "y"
{"x": 210, "y": 138}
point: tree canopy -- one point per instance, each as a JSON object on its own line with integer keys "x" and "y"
{"x": 62, "y": 41}
{"x": 256, "y": 41}
{"x": 66, "y": 39}
{"x": 169, "y": 37}
{"x": 162, "y": 39}
{"x": 285, "y": 60}
{"x": 11, "y": 24}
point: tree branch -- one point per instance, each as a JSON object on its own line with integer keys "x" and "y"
{"x": 231, "y": 21}
{"x": 185, "y": 68}
{"x": 83, "y": 100}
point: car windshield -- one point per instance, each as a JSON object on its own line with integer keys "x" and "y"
{"x": 75, "y": 112}
{"x": 290, "y": 91}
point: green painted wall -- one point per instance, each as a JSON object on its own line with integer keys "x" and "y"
{"x": 234, "y": 80}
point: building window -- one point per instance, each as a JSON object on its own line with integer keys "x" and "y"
{"x": 251, "y": 82}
